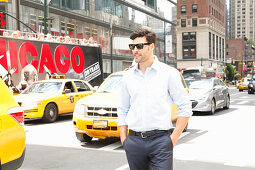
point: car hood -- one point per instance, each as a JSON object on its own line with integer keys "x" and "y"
{"x": 34, "y": 96}
{"x": 198, "y": 93}
{"x": 101, "y": 99}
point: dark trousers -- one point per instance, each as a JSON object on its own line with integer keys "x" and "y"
{"x": 156, "y": 150}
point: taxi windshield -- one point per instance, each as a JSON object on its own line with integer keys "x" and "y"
{"x": 111, "y": 84}
{"x": 199, "y": 84}
{"x": 43, "y": 87}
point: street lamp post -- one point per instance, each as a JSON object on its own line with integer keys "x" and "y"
{"x": 5, "y": 13}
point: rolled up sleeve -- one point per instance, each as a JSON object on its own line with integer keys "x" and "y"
{"x": 124, "y": 104}
{"x": 180, "y": 95}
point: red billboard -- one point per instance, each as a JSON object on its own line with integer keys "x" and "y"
{"x": 39, "y": 59}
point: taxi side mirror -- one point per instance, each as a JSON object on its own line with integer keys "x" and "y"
{"x": 95, "y": 88}
{"x": 66, "y": 91}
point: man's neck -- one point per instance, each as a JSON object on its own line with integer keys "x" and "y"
{"x": 144, "y": 65}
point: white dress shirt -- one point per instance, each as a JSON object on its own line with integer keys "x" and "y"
{"x": 147, "y": 99}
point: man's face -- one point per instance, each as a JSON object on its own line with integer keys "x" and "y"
{"x": 142, "y": 55}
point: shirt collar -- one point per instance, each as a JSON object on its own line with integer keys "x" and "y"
{"x": 155, "y": 64}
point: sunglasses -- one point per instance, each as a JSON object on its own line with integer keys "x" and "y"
{"x": 138, "y": 46}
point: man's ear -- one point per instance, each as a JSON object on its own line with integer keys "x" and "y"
{"x": 152, "y": 46}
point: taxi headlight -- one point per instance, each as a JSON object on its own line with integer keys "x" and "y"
{"x": 30, "y": 105}
{"x": 80, "y": 110}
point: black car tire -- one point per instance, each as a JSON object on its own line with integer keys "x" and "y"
{"x": 240, "y": 90}
{"x": 50, "y": 113}
{"x": 252, "y": 92}
{"x": 213, "y": 107}
{"x": 83, "y": 137}
{"x": 249, "y": 91}
{"x": 227, "y": 102}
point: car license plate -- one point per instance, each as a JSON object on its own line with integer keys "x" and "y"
{"x": 100, "y": 124}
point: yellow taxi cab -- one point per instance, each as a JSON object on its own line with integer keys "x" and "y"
{"x": 12, "y": 134}
{"x": 95, "y": 116}
{"x": 237, "y": 84}
{"x": 243, "y": 85}
{"x": 47, "y": 99}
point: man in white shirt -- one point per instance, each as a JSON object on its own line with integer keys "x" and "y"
{"x": 148, "y": 92}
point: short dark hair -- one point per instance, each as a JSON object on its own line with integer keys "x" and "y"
{"x": 149, "y": 35}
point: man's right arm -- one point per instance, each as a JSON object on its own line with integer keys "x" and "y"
{"x": 123, "y": 133}
{"x": 122, "y": 111}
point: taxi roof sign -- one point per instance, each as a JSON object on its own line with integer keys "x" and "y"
{"x": 57, "y": 77}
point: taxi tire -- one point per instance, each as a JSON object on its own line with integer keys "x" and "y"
{"x": 83, "y": 137}
{"x": 49, "y": 109}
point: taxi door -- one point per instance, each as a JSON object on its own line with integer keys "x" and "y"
{"x": 83, "y": 89}
{"x": 69, "y": 98}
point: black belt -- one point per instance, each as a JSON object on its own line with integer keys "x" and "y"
{"x": 147, "y": 133}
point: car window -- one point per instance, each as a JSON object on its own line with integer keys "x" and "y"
{"x": 216, "y": 82}
{"x": 111, "y": 84}
{"x": 81, "y": 86}
{"x": 43, "y": 87}
{"x": 221, "y": 83}
{"x": 69, "y": 85}
{"x": 199, "y": 84}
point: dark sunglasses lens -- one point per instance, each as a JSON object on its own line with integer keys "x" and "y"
{"x": 139, "y": 46}
{"x": 131, "y": 46}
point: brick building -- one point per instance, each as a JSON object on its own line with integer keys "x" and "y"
{"x": 200, "y": 33}
{"x": 240, "y": 54}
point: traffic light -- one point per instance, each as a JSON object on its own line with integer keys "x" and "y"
{"x": 234, "y": 61}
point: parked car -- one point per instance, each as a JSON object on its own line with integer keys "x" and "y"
{"x": 95, "y": 115}
{"x": 208, "y": 94}
{"x": 251, "y": 86}
{"x": 243, "y": 85}
{"x": 47, "y": 99}
{"x": 12, "y": 133}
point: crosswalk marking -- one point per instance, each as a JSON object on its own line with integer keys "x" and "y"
{"x": 123, "y": 167}
{"x": 183, "y": 134}
{"x": 111, "y": 146}
{"x": 242, "y": 102}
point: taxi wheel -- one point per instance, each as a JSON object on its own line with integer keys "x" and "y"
{"x": 83, "y": 137}
{"x": 240, "y": 90}
{"x": 213, "y": 107}
{"x": 50, "y": 113}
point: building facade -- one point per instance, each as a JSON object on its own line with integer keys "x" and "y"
{"x": 201, "y": 33}
{"x": 241, "y": 55}
{"x": 109, "y": 22}
{"x": 241, "y": 19}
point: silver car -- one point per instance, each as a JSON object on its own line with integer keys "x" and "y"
{"x": 208, "y": 94}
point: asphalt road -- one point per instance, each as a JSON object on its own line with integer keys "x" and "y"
{"x": 223, "y": 141}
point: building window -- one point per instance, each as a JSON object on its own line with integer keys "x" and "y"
{"x": 217, "y": 48}
{"x": 213, "y": 46}
{"x": 210, "y": 45}
{"x": 194, "y": 22}
{"x": 220, "y": 47}
{"x": 183, "y": 9}
{"x": 183, "y": 22}
{"x": 189, "y": 45}
{"x": 194, "y": 8}
{"x": 189, "y": 36}
{"x": 223, "y": 51}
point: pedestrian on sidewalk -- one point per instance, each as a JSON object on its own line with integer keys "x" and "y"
{"x": 148, "y": 91}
